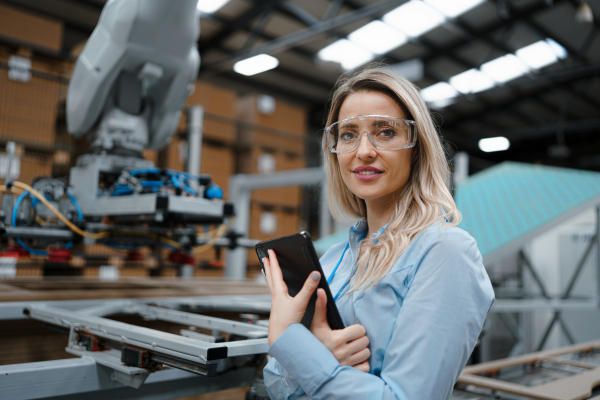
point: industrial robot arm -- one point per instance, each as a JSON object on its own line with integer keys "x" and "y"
{"x": 134, "y": 75}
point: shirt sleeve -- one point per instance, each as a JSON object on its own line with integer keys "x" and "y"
{"x": 279, "y": 384}
{"x": 434, "y": 332}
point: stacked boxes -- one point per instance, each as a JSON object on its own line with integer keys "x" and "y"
{"x": 28, "y": 109}
{"x": 274, "y": 134}
{"x": 35, "y": 29}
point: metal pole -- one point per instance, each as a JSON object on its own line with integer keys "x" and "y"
{"x": 240, "y": 187}
{"x": 324, "y": 213}
{"x": 195, "y": 128}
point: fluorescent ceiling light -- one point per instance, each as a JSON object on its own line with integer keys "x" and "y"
{"x": 437, "y": 92}
{"x": 504, "y": 68}
{"x": 560, "y": 51}
{"x": 471, "y": 81}
{"x": 453, "y": 8}
{"x": 378, "y": 37}
{"x": 537, "y": 55}
{"x": 489, "y": 145}
{"x": 346, "y": 53}
{"x": 210, "y": 6}
{"x": 414, "y": 18}
{"x": 255, "y": 65}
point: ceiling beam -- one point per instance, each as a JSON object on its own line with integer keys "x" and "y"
{"x": 564, "y": 76}
{"x": 296, "y": 38}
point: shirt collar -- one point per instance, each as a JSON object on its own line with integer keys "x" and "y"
{"x": 359, "y": 231}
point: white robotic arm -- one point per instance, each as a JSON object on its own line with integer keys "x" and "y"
{"x": 134, "y": 75}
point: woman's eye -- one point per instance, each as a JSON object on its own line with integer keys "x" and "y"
{"x": 348, "y": 136}
{"x": 386, "y": 134}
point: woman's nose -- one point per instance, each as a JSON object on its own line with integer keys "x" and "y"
{"x": 365, "y": 147}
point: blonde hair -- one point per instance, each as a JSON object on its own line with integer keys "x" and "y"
{"x": 425, "y": 199}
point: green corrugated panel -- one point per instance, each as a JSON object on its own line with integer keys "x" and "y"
{"x": 505, "y": 202}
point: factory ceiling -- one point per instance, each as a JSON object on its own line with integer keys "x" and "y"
{"x": 550, "y": 110}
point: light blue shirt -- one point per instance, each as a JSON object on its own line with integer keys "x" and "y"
{"x": 422, "y": 319}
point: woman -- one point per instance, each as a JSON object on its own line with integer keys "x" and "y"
{"x": 407, "y": 277}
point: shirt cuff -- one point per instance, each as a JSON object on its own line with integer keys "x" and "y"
{"x": 304, "y": 357}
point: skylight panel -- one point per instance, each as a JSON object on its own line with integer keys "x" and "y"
{"x": 471, "y": 81}
{"x": 378, "y": 37}
{"x": 560, "y": 51}
{"x": 453, "y": 8}
{"x": 255, "y": 65}
{"x": 210, "y": 6}
{"x": 348, "y": 54}
{"x": 438, "y": 92}
{"x": 499, "y": 143}
{"x": 505, "y": 68}
{"x": 537, "y": 55}
{"x": 414, "y": 18}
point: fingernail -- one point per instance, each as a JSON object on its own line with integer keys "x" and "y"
{"x": 264, "y": 259}
{"x": 315, "y": 276}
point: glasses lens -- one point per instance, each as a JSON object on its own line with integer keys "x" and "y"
{"x": 386, "y": 133}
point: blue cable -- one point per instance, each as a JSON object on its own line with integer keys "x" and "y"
{"x": 14, "y": 223}
{"x": 76, "y": 204}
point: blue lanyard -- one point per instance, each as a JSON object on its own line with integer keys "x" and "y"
{"x": 334, "y": 271}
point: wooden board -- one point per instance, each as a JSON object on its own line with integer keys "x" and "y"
{"x": 574, "y": 387}
{"x": 81, "y": 288}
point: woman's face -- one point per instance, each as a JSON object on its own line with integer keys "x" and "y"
{"x": 391, "y": 167}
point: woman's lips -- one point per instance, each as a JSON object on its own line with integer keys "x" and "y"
{"x": 367, "y": 175}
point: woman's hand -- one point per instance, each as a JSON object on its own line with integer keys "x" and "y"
{"x": 285, "y": 309}
{"x": 348, "y": 345}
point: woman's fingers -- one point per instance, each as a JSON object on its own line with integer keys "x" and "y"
{"x": 320, "y": 317}
{"x": 308, "y": 289}
{"x": 359, "y": 357}
{"x": 357, "y": 345}
{"x": 276, "y": 275}
{"x": 352, "y": 332}
{"x": 363, "y": 366}
{"x": 267, "y": 270}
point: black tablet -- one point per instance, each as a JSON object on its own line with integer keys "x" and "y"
{"x": 298, "y": 259}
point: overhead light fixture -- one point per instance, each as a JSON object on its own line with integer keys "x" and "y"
{"x": 210, "y": 6}
{"x": 537, "y": 55}
{"x": 414, "y": 18}
{"x": 499, "y": 143}
{"x": 453, "y": 8}
{"x": 255, "y": 65}
{"x": 472, "y": 81}
{"x": 560, "y": 51}
{"x": 348, "y": 54}
{"x": 378, "y": 37}
{"x": 505, "y": 68}
{"x": 438, "y": 92}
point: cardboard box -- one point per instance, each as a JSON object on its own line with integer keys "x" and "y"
{"x": 284, "y": 116}
{"x": 219, "y": 112}
{"x": 28, "y": 110}
{"x": 281, "y": 128}
{"x": 34, "y": 165}
{"x": 219, "y": 162}
{"x": 28, "y": 27}
{"x": 286, "y": 222}
{"x": 259, "y": 161}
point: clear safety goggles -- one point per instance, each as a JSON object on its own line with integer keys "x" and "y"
{"x": 384, "y": 132}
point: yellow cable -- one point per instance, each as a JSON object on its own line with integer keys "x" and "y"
{"x": 207, "y": 246}
{"x": 60, "y": 216}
